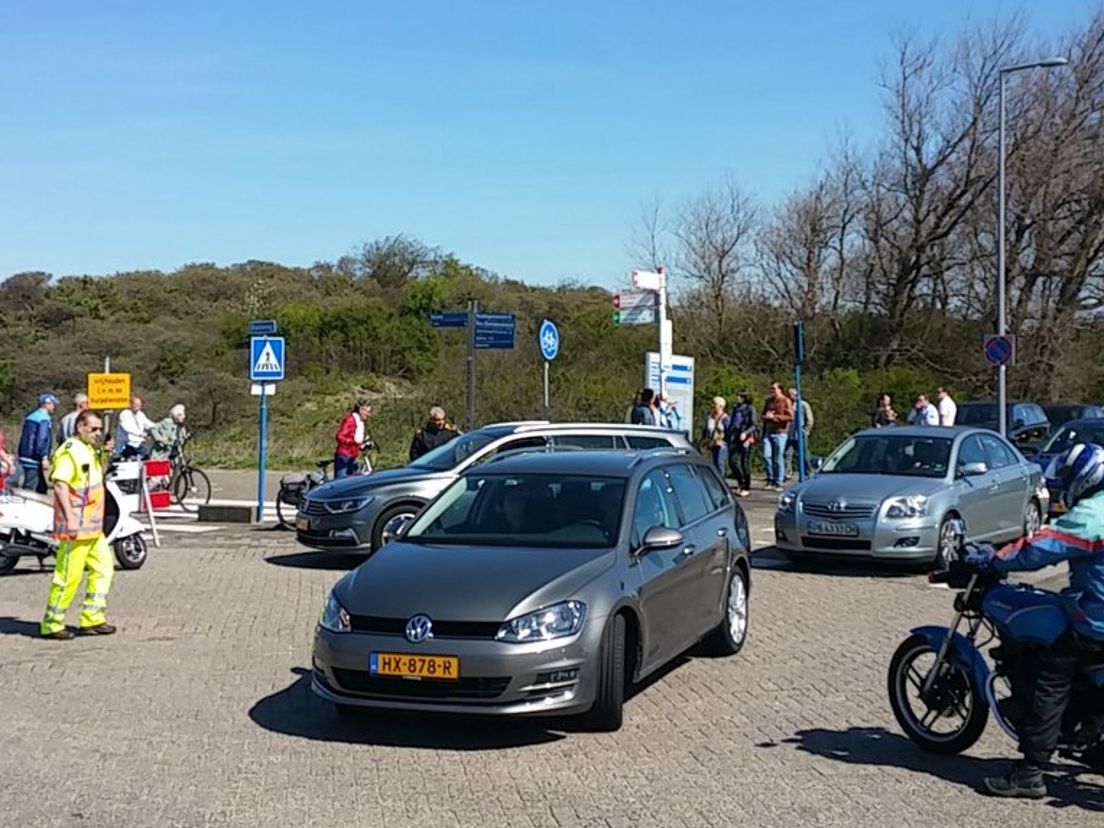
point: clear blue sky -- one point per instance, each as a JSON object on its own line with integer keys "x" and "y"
{"x": 523, "y": 136}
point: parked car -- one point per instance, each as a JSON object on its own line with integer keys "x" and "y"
{"x": 541, "y": 583}
{"x": 1063, "y": 438}
{"x": 893, "y": 494}
{"x": 1061, "y": 414}
{"x": 1028, "y": 426}
{"x": 362, "y": 512}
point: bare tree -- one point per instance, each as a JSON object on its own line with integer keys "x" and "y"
{"x": 648, "y": 243}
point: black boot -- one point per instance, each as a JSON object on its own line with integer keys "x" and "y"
{"x": 1024, "y": 781}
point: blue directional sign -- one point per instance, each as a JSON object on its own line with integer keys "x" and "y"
{"x": 262, "y": 327}
{"x": 495, "y": 331}
{"x": 266, "y": 358}
{"x": 449, "y": 320}
{"x": 549, "y": 339}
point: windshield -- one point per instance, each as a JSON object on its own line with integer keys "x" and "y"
{"x": 531, "y": 510}
{"x": 455, "y": 451}
{"x": 1069, "y": 436}
{"x": 975, "y": 414}
{"x": 891, "y": 454}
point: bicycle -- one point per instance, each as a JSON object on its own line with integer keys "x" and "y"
{"x": 294, "y": 487}
{"x": 187, "y": 482}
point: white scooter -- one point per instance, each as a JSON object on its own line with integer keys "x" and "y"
{"x": 27, "y": 519}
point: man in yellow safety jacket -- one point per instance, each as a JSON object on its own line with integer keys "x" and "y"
{"x": 77, "y": 475}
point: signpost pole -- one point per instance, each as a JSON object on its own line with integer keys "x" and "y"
{"x": 262, "y": 452}
{"x": 107, "y": 414}
{"x": 473, "y": 310}
{"x": 665, "y": 344}
{"x": 546, "y": 389}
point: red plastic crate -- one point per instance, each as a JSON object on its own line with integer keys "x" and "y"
{"x": 158, "y": 468}
{"x": 159, "y": 500}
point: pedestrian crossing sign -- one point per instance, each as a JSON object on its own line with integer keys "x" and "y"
{"x": 266, "y": 358}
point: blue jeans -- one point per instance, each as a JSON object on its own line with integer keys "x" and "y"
{"x": 33, "y": 478}
{"x": 344, "y": 466}
{"x": 774, "y": 457}
{"x": 720, "y": 459}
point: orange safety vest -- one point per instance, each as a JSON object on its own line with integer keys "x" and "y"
{"x": 85, "y": 492}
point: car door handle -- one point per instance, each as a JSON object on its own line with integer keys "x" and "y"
{"x": 722, "y": 532}
{"x": 995, "y": 487}
{"x": 687, "y": 551}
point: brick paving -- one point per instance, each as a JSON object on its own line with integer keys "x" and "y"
{"x": 198, "y": 713}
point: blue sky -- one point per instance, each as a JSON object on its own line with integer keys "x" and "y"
{"x": 523, "y": 136}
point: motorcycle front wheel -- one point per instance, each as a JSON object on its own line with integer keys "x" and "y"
{"x": 130, "y": 551}
{"x": 950, "y": 715}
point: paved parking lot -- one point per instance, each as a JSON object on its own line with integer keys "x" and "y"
{"x": 199, "y": 713}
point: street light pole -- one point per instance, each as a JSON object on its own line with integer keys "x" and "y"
{"x": 1002, "y": 286}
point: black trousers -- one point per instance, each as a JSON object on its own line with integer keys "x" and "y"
{"x": 739, "y": 460}
{"x": 1057, "y": 668}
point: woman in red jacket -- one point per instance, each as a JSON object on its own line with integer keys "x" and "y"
{"x": 7, "y": 462}
{"x": 352, "y": 437}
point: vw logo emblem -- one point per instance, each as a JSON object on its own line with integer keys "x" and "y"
{"x": 835, "y": 506}
{"x": 419, "y": 628}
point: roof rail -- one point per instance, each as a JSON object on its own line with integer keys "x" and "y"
{"x": 659, "y": 451}
{"x": 517, "y": 424}
{"x": 547, "y": 449}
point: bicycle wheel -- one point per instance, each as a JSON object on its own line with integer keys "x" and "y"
{"x": 287, "y": 504}
{"x": 192, "y": 488}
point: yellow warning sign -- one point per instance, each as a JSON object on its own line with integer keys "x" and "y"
{"x": 108, "y": 392}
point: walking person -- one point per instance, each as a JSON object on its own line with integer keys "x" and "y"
{"x": 130, "y": 435}
{"x": 791, "y": 435}
{"x": 743, "y": 431}
{"x": 79, "y": 503}
{"x": 436, "y": 432}
{"x": 35, "y": 441}
{"x": 352, "y": 437}
{"x": 884, "y": 413}
{"x": 169, "y": 434}
{"x": 68, "y": 425}
{"x": 923, "y": 413}
{"x": 778, "y": 413}
{"x": 948, "y": 410}
{"x": 714, "y": 435}
{"x": 644, "y": 412}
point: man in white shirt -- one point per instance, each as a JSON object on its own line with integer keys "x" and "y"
{"x": 69, "y": 421}
{"x": 948, "y": 411}
{"x": 130, "y": 436}
{"x": 923, "y": 413}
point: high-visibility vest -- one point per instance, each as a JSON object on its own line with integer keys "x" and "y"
{"x": 82, "y": 468}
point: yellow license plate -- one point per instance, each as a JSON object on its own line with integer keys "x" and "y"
{"x": 1058, "y": 507}
{"x": 302, "y": 524}
{"x": 406, "y": 665}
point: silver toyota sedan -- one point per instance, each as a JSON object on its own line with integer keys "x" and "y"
{"x": 539, "y": 584}
{"x": 891, "y": 494}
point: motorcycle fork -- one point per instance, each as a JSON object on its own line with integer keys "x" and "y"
{"x": 937, "y": 667}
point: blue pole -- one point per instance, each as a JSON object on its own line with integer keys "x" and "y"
{"x": 262, "y": 449}
{"x": 799, "y": 431}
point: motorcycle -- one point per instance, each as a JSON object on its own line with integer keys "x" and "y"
{"x": 941, "y": 687}
{"x": 27, "y": 519}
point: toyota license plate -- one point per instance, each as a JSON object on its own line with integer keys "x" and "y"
{"x": 302, "y": 524}
{"x": 405, "y": 665}
{"x": 839, "y": 530}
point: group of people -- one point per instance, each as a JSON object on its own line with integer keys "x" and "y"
{"x": 650, "y": 408}
{"x": 38, "y": 440}
{"x": 943, "y": 412}
{"x": 730, "y": 437}
{"x": 354, "y": 440}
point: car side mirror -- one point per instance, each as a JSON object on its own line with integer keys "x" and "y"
{"x": 972, "y": 470}
{"x": 659, "y": 537}
{"x": 815, "y": 462}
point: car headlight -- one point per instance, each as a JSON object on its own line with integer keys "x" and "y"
{"x": 786, "y": 502}
{"x": 334, "y": 618}
{"x": 912, "y": 506}
{"x": 353, "y": 504}
{"x": 556, "y": 621}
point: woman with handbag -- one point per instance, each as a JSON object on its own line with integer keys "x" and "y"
{"x": 743, "y": 432}
{"x": 713, "y": 437}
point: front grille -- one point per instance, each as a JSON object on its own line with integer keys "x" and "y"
{"x": 359, "y": 681}
{"x": 848, "y": 544}
{"x": 850, "y": 511}
{"x": 441, "y": 629}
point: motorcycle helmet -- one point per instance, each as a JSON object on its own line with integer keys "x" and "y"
{"x": 1076, "y": 473}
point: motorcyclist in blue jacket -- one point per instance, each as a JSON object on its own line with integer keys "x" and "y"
{"x": 36, "y": 443}
{"x": 1077, "y": 537}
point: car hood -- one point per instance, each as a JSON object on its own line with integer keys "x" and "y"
{"x": 357, "y": 484}
{"x": 865, "y": 488}
{"x": 467, "y": 583}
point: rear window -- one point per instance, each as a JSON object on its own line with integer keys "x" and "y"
{"x": 639, "y": 441}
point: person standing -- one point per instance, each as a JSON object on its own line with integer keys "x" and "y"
{"x": 352, "y": 438}
{"x": 436, "y": 432}
{"x": 884, "y": 413}
{"x": 7, "y": 462}
{"x": 923, "y": 413}
{"x": 35, "y": 441}
{"x": 644, "y": 413}
{"x": 946, "y": 407}
{"x": 169, "y": 434}
{"x": 629, "y": 411}
{"x": 791, "y": 435}
{"x": 79, "y": 504}
{"x": 778, "y": 413}
{"x": 743, "y": 431}
{"x": 67, "y": 428}
{"x": 130, "y": 436}
{"x": 714, "y": 435}
{"x": 667, "y": 414}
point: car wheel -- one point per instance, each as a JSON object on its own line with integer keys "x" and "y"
{"x": 609, "y": 701}
{"x": 1033, "y": 518}
{"x": 390, "y": 522}
{"x": 947, "y": 546}
{"x": 729, "y": 637}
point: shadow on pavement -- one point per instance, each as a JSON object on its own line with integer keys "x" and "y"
{"x": 17, "y": 626}
{"x": 769, "y": 557}
{"x": 317, "y": 560}
{"x": 878, "y": 746}
{"x": 296, "y": 711}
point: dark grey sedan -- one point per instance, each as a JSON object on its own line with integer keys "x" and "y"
{"x": 539, "y": 584}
